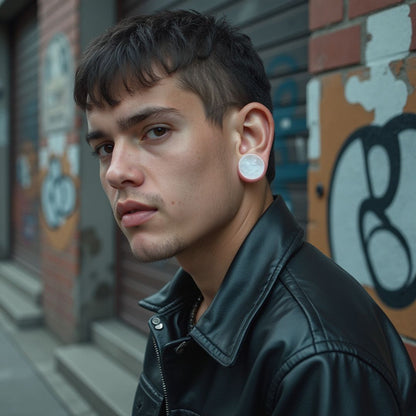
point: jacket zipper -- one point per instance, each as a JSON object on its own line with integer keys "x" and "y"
{"x": 164, "y": 388}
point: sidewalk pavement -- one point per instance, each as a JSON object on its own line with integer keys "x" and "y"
{"x": 22, "y": 391}
{"x": 29, "y": 382}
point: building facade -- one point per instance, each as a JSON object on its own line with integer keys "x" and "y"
{"x": 343, "y": 87}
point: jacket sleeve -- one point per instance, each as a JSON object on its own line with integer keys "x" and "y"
{"x": 334, "y": 384}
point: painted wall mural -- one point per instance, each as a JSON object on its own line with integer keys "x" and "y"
{"x": 58, "y": 195}
{"x": 59, "y": 153}
{"x": 372, "y": 223}
{"x": 363, "y": 132}
{"x": 59, "y": 170}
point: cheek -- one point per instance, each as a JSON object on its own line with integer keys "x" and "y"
{"x": 109, "y": 190}
{"x": 102, "y": 172}
{"x": 209, "y": 172}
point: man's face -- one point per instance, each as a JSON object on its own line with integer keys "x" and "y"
{"x": 170, "y": 175}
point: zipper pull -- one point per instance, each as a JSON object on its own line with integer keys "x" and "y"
{"x": 181, "y": 347}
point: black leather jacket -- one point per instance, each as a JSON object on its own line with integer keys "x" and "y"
{"x": 289, "y": 333}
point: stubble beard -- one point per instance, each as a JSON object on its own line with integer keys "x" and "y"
{"x": 147, "y": 253}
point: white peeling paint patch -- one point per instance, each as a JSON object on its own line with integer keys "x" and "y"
{"x": 382, "y": 93}
{"x": 56, "y": 144}
{"x": 57, "y": 147}
{"x": 313, "y": 92}
{"x": 73, "y": 157}
{"x": 390, "y": 37}
{"x": 43, "y": 158}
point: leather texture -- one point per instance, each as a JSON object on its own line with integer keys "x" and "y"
{"x": 289, "y": 333}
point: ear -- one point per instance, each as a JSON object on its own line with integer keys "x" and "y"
{"x": 256, "y": 130}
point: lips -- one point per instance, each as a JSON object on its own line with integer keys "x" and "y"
{"x": 132, "y": 213}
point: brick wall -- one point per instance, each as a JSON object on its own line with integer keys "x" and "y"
{"x": 59, "y": 164}
{"x": 362, "y": 147}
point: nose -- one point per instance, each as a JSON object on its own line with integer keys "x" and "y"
{"x": 124, "y": 169}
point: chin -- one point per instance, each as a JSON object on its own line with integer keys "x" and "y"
{"x": 147, "y": 253}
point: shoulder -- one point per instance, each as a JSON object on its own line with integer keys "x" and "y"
{"x": 333, "y": 382}
{"x": 334, "y": 305}
{"x": 328, "y": 332}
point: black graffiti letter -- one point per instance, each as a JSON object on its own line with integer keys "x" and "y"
{"x": 387, "y": 138}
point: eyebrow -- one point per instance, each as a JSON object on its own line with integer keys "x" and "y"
{"x": 96, "y": 134}
{"x": 127, "y": 123}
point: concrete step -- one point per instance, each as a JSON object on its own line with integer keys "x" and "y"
{"x": 22, "y": 280}
{"x": 18, "y": 306}
{"x": 38, "y": 345}
{"x": 124, "y": 344}
{"x": 106, "y": 385}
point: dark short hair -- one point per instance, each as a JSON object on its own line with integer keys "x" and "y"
{"x": 209, "y": 57}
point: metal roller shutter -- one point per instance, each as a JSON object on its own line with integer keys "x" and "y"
{"x": 279, "y": 31}
{"x": 25, "y": 137}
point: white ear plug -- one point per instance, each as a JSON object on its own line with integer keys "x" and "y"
{"x": 251, "y": 167}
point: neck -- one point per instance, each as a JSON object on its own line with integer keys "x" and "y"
{"x": 208, "y": 261}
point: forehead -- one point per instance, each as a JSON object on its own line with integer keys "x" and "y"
{"x": 166, "y": 93}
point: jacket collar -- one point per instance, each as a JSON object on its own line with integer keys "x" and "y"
{"x": 249, "y": 280}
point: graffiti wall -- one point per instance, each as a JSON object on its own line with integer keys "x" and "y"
{"x": 363, "y": 189}
{"x": 59, "y": 153}
{"x": 59, "y": 181}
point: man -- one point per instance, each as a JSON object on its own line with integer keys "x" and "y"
{"x": 256, "y": 321}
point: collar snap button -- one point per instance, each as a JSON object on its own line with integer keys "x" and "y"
{"x": 157, "y": 323}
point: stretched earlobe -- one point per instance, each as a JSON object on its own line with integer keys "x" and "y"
{"x": 256, "y": 133}
{"x": 251, "y": 167}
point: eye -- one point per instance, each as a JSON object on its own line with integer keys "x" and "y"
{"x": 157, "y": 132}
{"x": 103, "y": 150}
